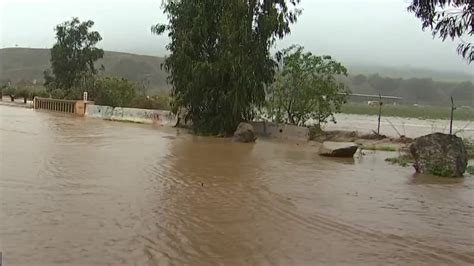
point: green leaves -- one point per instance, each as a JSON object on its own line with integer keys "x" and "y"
{"x": 73, "y": 55}
{"x": 306, "y": 88}
{"x": 452, "y": 19}
{"x": 220, "y": 58}
{"x": 112, "y": 91}
{"x": 158, "y": 29}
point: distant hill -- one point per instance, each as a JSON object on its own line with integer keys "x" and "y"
{"x": 17, "y": 64}
{"x": 25, "y": 64}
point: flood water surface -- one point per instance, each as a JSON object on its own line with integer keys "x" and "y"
{"x": 77, "y": 191}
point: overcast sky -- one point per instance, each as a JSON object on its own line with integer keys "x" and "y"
{"x": 353, "y": 31}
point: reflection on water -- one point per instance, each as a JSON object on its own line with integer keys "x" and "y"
{"x": 78, "y": 191}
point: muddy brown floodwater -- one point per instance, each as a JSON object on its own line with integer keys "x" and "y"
{"x": 77, "y": 191}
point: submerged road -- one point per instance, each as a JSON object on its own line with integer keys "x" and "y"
{"x": 78, "y": 191}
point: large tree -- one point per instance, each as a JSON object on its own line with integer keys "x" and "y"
{"x": 448, "y": 19}
{"x": 73, "y": 56}
{"x": 220, "y": 58}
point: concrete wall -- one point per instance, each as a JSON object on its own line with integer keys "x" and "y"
{"x": 79, "y": 108}
{"x": 166, "y": 118}
{"x": 281, "y": 131}
{"x": 131, "y": 115}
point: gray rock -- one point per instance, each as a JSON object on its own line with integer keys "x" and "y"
{"x": 245, "y": 133}
{"x": 439, "y": 154}
{"x": 338, "y": 149}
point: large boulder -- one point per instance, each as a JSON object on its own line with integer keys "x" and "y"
{"x": 439, "y": 154}
{"x": 338, "y": 149}
{"x": 245, "y": 133}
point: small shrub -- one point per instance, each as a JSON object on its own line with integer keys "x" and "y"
{"x": 470, "y": 148}
{"x": 39, "y": 93}
{"x": 441, "y": 170}
{"x": 470, "y": 169}
{"x": 57, "y": 94}
{"x": 156, "y": 102}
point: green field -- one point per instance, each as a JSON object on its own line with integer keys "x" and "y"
{"x": 421, "y": 112}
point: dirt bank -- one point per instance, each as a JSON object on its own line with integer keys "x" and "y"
{"x": 370, "y": 141}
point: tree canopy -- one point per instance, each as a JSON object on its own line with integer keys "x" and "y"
{"x": 306, "y": 88}
{"x": 73, "y": 55}
{"x": 113, "y": 91}
{"x": 220, "y": 58}
{"x": 448, "y": 19}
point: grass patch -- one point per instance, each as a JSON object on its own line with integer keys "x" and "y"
{"x": 441, "y": 170}
{"x": 421, "y": 112}
{"x": 404, "y": 160}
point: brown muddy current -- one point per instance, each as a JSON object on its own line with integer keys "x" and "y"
{"x": 77, "y": 191}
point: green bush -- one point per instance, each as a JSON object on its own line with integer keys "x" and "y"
{"x": 113, "y": 92}
{"x": 39, "y": 93}
{"x": 158, "y": 102}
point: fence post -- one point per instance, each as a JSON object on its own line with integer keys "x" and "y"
{"x": 452, "y": 116}
{"x": 380, "y": 113}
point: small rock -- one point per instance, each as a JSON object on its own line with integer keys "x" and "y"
{"x": 245, "y": 133}
{"x": 338, "y": 149}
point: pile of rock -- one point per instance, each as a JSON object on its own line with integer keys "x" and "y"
{"x": 245, "y": 133}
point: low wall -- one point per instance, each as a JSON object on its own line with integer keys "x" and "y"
{"x": 281, "y": 131}
{"x": 131, "y": 115}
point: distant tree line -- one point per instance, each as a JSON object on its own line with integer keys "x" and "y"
{"x": 414, "y": 90}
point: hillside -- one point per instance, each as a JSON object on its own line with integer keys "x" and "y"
{"x": 28, "y": 64}
{"x": 25, "y": 64}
